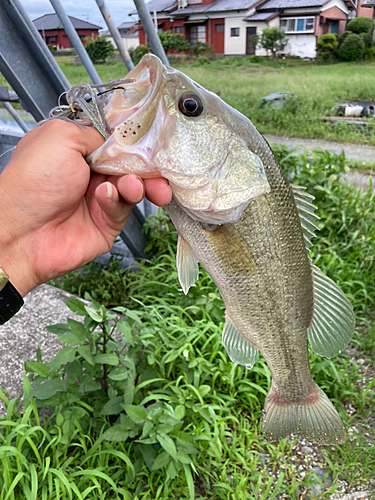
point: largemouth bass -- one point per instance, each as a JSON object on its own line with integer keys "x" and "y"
{"x": 237, "y": 214}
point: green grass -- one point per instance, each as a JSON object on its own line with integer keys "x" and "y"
{"x": 242, "y": 84}
{"x": 185, "y": 384}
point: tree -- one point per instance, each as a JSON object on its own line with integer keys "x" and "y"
{"x": 99, "y": 49}
{"x": 352, "y": 48}
{"x": 274, "y": 40}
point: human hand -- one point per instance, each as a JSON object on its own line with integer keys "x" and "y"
{"x": 56, "y": 216}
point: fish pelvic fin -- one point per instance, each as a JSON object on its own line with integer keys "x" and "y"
{"x": 187, "y": 265}
{"x": 314, "y": 417}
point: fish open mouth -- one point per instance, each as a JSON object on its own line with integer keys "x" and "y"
{"x": 136, "y": 113}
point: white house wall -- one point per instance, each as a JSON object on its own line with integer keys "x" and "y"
{"x": 301, "y": 45}
{"x": 129, "y": 43}
{"x": 235, "y": 45}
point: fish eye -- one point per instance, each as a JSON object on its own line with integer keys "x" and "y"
{"x": 190, "y": 104}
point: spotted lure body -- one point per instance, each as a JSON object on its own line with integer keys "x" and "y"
{"x": 237, "y": 214}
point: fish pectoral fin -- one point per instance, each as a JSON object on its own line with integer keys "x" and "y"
{"x": 306, "y": 212}
{"x": 239, "y": 349}
{"x": 187, "y": 265}
{"x": 333, "y": 323}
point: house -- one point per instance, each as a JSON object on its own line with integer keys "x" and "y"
{"x": 303, "y": 21}
{"x": 51, "y": 29}
{"x": 366, "y": 9}
{"x": 129, "y": 35}
{"x": 228, "y": 25}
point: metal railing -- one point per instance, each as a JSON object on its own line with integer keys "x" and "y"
{"x": 37, "y": 81}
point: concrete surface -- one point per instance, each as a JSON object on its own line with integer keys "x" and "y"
{"x": 352, "y": 151}
{"x": 20, "y": 337}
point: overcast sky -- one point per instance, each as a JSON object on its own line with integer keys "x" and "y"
{"x": 83, "y": 9}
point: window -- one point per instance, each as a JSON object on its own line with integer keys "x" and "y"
{"x": 197, "y": 33}
{"x": 178, "y": 29}
{"x": 235, "y": 32}
{"x": 219, "y": 28}
{"x": 332, "y": 26}
{"x": 297, "y": 25}
{"x": 51, "y": 39}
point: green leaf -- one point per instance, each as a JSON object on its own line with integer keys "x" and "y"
{"x": 168, "y": 444}
{"x": 115, "y": 433}
{"x": 204, "y": 390}
{"x": 171, "y": 471}
{"x": 134, "y": 316}
{"x": 136, "y": 413}
{"x": 78, "y": 329}
{"x": 112, "y": 407}
{"x": 124, "y": 327}
{"x": 190, "y": 482}
{"x": 161, "y": 461}
{"x": 69, "y": 338}
{"x": 58, "y": 328}
{"x": 90, "y": 385}
{"x": 93, "y": 314}
{"x": 120, "y": 373}
{"x": 149, "y": 454}
{"x": 183, "y": 457}
{"x": 65, "y": 355}
{"x": 107, "y": 359}
{"x": 179, "y": 412}
{"x": 129, "y": 391}
{"x": 76, "y": 306}
{"x": 85, "y": 352}
{"x": 49, "y": 388}
{"x": 38, "y": 368}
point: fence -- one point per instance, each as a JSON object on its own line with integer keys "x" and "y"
{"x": 37, "y": 82}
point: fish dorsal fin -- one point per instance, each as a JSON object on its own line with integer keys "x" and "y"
{"x": 333, "y": 321}
{"x": 239, "y": 349}
{"x": 187, "y": 265}
{"x": 306, "y": 212}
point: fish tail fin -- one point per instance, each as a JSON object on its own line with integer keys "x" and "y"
{"x": 314, "y": 417}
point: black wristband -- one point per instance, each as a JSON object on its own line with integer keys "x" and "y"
{"x": 10, "y": 302}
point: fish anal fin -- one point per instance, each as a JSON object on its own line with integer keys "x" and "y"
{"x": 187, "y": 265}
{"x": 314, "y": 417}
{"x": 333, "y": 322}
{"x": 239, "y": 349}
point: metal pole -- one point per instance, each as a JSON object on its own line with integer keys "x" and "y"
{"x": 115, "y": 35}
{"x": 76, "y": 41}
{"x": 14, "y": 115}
{"x": 149, "y": 28}
{"x": 54, "y": 68}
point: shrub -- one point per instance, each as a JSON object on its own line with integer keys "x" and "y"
{"x": 352, "y": 48}
{"x": 341, "y": 38}
{"x": 273, "y": 40}
{"x": 255, "y": 59}
{"x": 140, "y": 51}
{"x": 368, "y": 37}
{"x": 173, "y": 41}
{"x": 202, "y": 61}
{"x": 360, "y": 25}
{"x": 327, "y": 45}
{"x": 52, "y": 48}
{"x": 99, "y": 49}
{"x": 369, "y": 54}
{"x": 200, "y": 49}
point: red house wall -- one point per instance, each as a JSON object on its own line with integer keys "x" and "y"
{"x": 62, "y": 39}
{"x": 213, "y": 37}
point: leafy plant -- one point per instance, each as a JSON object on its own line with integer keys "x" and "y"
{"x": 173, "y": 41}
{"x": 273, "y": 40}
{"x": 352, "y": 48}
{"x": 327, "y": 45}
{"x": 138, "y": 52}
{"x": 360, "y": 25}
{"x": 100, "y": 49}
{"x": 201, "y": 49}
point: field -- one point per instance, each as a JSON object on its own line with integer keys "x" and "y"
{"x": 143, "y": 403}
{"x": 158, "y": 411}
{"x": 317, "y": 89}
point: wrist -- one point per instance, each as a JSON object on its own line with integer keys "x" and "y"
{"x": 16, "y": 266}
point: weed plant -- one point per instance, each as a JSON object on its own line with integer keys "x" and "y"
{"x": 143, "y": 401}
